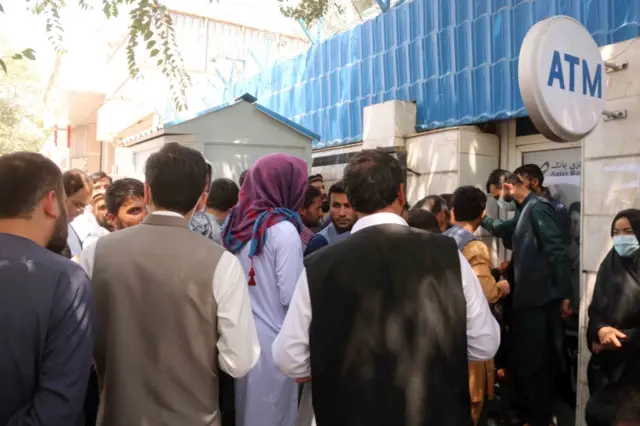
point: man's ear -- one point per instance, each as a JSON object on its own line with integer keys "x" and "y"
{"x": 111, "y": 221}
{"x": 452, "y": 214}
{"x": 51, "y": 206}
{"x": 402, "y": 197}
{"x": 147, "y": 194}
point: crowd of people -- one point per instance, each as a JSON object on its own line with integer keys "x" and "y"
{"x": 190, "y": 300}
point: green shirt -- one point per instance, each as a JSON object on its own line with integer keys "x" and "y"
{"x": 553, "y": 245}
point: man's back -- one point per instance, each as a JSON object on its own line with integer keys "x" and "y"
{"x": 45, "y": 335}
{"x": 156, "y": 349}
{"x": 388, "y": 333}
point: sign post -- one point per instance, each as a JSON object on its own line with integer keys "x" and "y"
{"x": 561, "y": 77}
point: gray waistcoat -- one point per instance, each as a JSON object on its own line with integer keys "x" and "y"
{"x": 156, "y": 338}
{"x": 331, "y": 234}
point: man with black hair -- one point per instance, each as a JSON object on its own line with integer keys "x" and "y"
{"x": 101, "y": 181}
{"x": 497, "y": 227}
{"x": 533, "y": 177}
{"x": 124, "y": 207}
{"x": 311, "y": 210}
{"x": 173, "y": 307}
{"x": 342, "y": 219}
{"x": 78, "y": 188}
{"x": 438, "y": 206}
{"x": 318, "y": 181}
{"x": 422, "y": 219}
{"x": 541, "y": 296}
{"x": 223, "y": 195}
{"x": 448, "y": 198}
{"x": 125, "y": 203}
{"x": 46, "y": 305}
{"x": 468, "y": 209}
{"x": 392, "y": 307}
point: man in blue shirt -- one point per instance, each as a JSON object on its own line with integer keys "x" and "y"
{"x": 46, "y": 306}
{"x": 342, "y": 219}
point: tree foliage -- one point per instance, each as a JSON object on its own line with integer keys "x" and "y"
{"x": 21, "y": 125}
{"x": 309, "y": 11}
{"x": 151, "y": 26}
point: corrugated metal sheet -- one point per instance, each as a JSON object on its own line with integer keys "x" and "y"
{"x": 458, "y": 59}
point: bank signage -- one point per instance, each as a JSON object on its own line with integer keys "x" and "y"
{"x": 561, "y": 76}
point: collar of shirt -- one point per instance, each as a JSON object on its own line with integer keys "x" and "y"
{"x": 167, "y": 213}
{"x": 378, "y": 219}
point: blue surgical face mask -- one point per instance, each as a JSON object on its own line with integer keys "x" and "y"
{"x": 625, "y": 245}
{"x": 506, "y": 205}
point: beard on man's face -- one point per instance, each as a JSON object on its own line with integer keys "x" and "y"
{"x": 58, "y": 240}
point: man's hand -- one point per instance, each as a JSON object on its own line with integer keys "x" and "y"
{"x": 301, "y": 380}
{"x": 565, "y": 309}
{"x": 610, "y": 337}
{"x": 504, "y": 267}
{"x": 597, "y": 347}
{"x": 504, "y": 286}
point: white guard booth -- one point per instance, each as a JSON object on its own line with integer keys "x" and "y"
{"x": 231, "y": 136}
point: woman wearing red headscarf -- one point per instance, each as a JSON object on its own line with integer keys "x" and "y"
{"x": 264, "y": 230}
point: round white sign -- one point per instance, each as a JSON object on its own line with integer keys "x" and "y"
{"x": 562, "y": 79}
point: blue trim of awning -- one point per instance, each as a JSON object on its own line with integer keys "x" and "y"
{"x": 284, "y": 120}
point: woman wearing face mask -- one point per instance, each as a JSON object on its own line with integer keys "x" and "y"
{"x": 613, "y": 333}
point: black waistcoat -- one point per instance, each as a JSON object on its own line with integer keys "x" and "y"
{"x": 532, "y": 270}
{"x": 388, "y": 332}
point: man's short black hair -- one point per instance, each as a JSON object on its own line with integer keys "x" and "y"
{"x": 98, "y": 176}
{"x": 75, "y": 180}
{"x": 26, "y": 177}
{"x": 310, "y": 196}
{"x": 425, "y": 220}
{"x": 315, "y": 178}
{"x": 337, "y": 188}
{"x": 524, "y": 171}
{"x": 448, "y": 198}
{"x": 177, "y": 177}
{"x": 531, "y": 171}
{"x": 372, "y": 179}
{"x": 243, "y": 175}
{"x": 469, "y": 203}
{"x": 433, "y": 203}
{"x": 223, "y": 194}
{"x": 120, "y": 191}
{"x": 496, "y": 178}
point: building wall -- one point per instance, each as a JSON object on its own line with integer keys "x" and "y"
{"x": 85, "y": 148}
{"x": 611, "y": 163}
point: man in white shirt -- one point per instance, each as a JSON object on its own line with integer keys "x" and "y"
{"x": 397, "y": 314}
{"x": 172, "y": 306}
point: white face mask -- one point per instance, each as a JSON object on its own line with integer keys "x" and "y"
{"x": 506, "y": 205}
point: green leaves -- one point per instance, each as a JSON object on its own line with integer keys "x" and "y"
{"x": 151, "y": 23}
{"x": 29, "y": 54}
{"x": 309, "y": 10}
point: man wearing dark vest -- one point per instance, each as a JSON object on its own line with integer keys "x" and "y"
{"x": 172, "y": 305}
{"x": 384, "y": 321}
{"x": 541, "y": 296}
{"x": 342, "y": 219}
{"x": 46, "y": 306}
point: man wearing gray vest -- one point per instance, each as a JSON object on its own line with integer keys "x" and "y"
{"x": 172, "y": 306}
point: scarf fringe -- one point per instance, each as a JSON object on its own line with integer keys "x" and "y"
{"x": 252, "y": 275}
